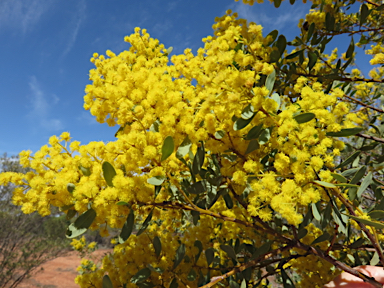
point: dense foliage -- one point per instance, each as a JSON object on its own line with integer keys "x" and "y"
{"x": 254, "y": 157}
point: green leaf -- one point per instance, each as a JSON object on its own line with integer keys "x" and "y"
{"x": 364, "y": 13}
{"x": 329, "y": 22}
{"x": 183, "y": 148}
{"x": 276, "y": 97}
{"x": 180, "y": 253}
{"x": 122, "y": 203}
{"x": 66, "y": 207}
{"x": 254, "y": 133}
{"x": 304, "y": 117}
{"x": 375, "y": 259}
{"x": 153, "y": 269}
{"x": 241, "y": 123}
{"x": 270, "y": 81}
{"x": 287, "y": 281}
{"x": 277, "y": 3}
{"x": 86, "y": 171}
{"x": 247, "y": 112}
{"x": 294, "y": 54}
{"x": 155, "y": 126}
{"x": 252, "y": 146}
{"x": 174, "y": 283}
{"x": 107, "y": 283}
{"x": 141, "y": 276}
{"x": 357, "y": 243}
{"x": 274, "y": 56}
{"x": 192, "y": 275}
{"x": 233, "y": 284}
{"x": 367, "y": 181}
{"x": 195, "y": 217}
{"x": 126, "y": 231}
{"x": 198, "y": 160}
{"x": 167, "y": 149}
{"x": 219, "y": 134}
{"x": 281, "y": 43}
{"x": 169, "y": 50}
{"x": 315, "y": 212}
{"x": 145, "y": 223}
{"x": 367, "y": 222}
{"x": 71, "y": 187}
{"x": 262, "y": 250}
{"x": 311, "y": 29}
{"x": 349, "y": 160}
{"x": 209, "y": 254}
{"x": 156, "y": 180}
{"x": 302, "y": 233}
{"x": 273, "y": 35}
{"x": 197, "y": 188}
{"x": 230, "y": 252}
{"x": 347, "y": 185}
{"x": 312, "y": 59}
{"x": 228, "y": 201}
{"x": 339, "y": 177}
{"x": 325, "y": 184}
{"x": 359, "y": 174}
{"x": 70, "y": 214}
{"x": 376, "y": 214}
{"x": 157, "y": 245}
{"x": 109, "y": 172}
{"x": 157, "y": 191}
{"x": 345, "y": 132}
{"x": 200, "y": 247}
{"x": 321, "y": 238}
{"x": 81, "y": 224}
{"x": 265, "y": 135}
{"x": 350, "y": 49}
{"x": 85, "y": 220}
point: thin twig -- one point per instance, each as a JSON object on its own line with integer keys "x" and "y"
{"x": 363, "y": 104}
{"x": 338, "y": 264}
{"x": 371, "y": 237}
{"x": 254, "y": 262}
{"x": 377, "y": 139}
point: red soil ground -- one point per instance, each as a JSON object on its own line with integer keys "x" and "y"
{"x": 59, "y": 272}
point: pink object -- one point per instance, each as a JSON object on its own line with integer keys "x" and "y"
{"x": 346, "y": 280}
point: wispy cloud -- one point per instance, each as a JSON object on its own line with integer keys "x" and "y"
{"x": 87, "y": 118}
{"x": 284, "y": 18}
{"x": 21, "y": 14}
{"x": 75, "y": 24}
{"x": 40, "y": 107}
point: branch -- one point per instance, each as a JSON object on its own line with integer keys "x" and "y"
{"x": 371, "y": 237}
{"x": 377, "y": 139}
{"x": 355, "y": 79}
{"x": 363, "y": 104}
{"x": 333, "y": 33}
{"x": 217, "y": 279}
{"x": 372, "y": 3}
{"x": 338, "y": 264}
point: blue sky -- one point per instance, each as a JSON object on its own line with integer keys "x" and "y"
{"x": 46, "y": 46}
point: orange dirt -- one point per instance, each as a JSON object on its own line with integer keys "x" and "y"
{"x": 59, "y": 272}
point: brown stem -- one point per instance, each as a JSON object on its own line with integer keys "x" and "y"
{"x": 372, "y": 3}
{"x": 363, "y": 104}
{"x": 377, "y": 139}
{"x": 371, "y": 237}
{"x": 355, "y": 79}
{"x": 254, "y": 262}
{"x": 338, "y": 264}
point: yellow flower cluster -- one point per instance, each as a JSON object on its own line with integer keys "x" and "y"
{"x": 203, "y": 98}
